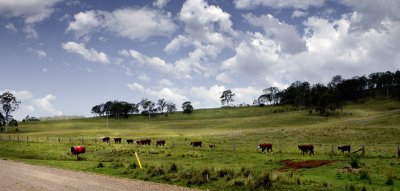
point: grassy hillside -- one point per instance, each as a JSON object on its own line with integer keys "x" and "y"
{"x": 234, "y": 164}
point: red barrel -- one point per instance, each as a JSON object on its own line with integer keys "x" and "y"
{"x": 77, "y": 150}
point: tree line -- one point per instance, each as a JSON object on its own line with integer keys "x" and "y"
{"x": 122, "y": 109}
{"x": 325, "y": 99}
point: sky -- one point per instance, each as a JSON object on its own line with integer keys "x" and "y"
{"x": 62, "y": 57}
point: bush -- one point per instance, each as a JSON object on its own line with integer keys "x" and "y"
{"x": 100, "y": 165}
{"x": 173, "y": 168}
{"x": 354, "y": 162}
{"x": 389, "y": 179}
{"x": 364, "y": 175}
{"x": 264, "y": 182}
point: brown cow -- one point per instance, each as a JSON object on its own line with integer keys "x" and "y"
{"x": 144, "y": 142}
{"x": 160, "y": 142}
{"x": 344, "y": 148}
{"x": 105, "y": 139}
{"x": 129, "y": 141}
{"x": 305, "y": 148}
{"x": 196, "y": 143}
{"x": 264, "y": 146}
{"x": 211, "y": 145}
{"x": 117, "y": 140}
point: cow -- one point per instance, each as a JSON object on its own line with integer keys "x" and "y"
{"x": 344, "y": 148}
{"x": 129, "y": 141}
{"x": 144, "y": 142}
{"x": 196, "y": 143}
{"x": 264, "y": 146}
{"x": 305, "y": 148}
{"x": 117, "y": 140}
{"x": 160, "y": 142}
{"x": 105, "y": 139}
{"x": 211, "y": 145}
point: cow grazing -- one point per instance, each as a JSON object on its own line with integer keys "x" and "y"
{"x": 211, "y": 145}
{"x": 196, "y": 143}
{"x": 264, "y": 146}
{"x": 144, "y": 142}
{"x": 307, "y": 148}
{"x": 105, "y": 139}
{"x": 117, "y": 140}
{"x": 344, "y": 148}
{"x": 129, "y": 141}
{"x": 160, "y": 143}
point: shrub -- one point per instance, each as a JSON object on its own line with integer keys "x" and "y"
{"x": 100, "y": 165}
{"x": 173, "y": 168}
{"x": 245, "y": 172}
{"x": 264, "y": 182}
{"x": 364, "y": 175}
{"x": 389, "y": 179}
{"x": 224, "y": 172}
{"x": 354, "y": 162}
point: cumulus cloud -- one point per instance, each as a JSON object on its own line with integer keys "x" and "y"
{"x": 88, "y": 54}
{"x": 11, "y": 27}
{"x": 372, "y": 13}
{"x": 39, "y": 53}
{"x": 303, "y": 4}
{"x": 298, "y": 14}
{"x": 160, "y": 3}
{"x": 131, "y": 23}
{"x": 279, "y": 31}
{"x": 45, "y": 105}
{"x": 172, "y": 94}
{"x": 33, "y": 11}
{"x": 165, "y": 82}
{"x": 152, "y": 62}
{"x": 207, "y": 31}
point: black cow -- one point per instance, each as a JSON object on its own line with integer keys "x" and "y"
{"x": 105, "y": 139}
{"x": 160, "y": 142}
{"x": 196, "y": 143}
{"x": 306, "y": 148}
{"x": 129, "y": 141}
{"x": 144, "y": 142}
{"x": 344, "y": 148}
{"x": 117, "y": 140}
{"x": 211, "y": 145}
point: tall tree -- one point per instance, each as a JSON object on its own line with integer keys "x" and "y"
{"x": 162, "y": 105}
{"x": 227, "y": 97}
{"x": 187, "y": 107}
{"x": 2, "y": 121}
{"x": 147, "y": 107}
{"x": 171, "y": 107}
{"x": 96, "y": 110}
{"x": 9, "y": 104}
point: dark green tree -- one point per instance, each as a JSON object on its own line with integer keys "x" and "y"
{"x": 187, "y": 107}
{"x": 9, "y": 104}
{"x": 227, "y": 97}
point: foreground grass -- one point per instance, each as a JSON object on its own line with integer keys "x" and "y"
{"x": 234, "y": 164}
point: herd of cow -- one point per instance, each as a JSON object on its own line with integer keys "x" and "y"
{"x": 262, "y": 146}
{"x": 303, "y": 148}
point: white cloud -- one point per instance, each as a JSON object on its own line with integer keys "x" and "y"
{"x": 144, "y": 77}
{"x": 30, "y": 32}
{"x": 152, "y": 62}
{"x": 172, "y": 94}
{"x": 279, "y": 31}
{"x": 88, "y": 54}
{"x": 302, "y": 4}
{"x": 298, "y": 14}
{"x": 11, "y": 27}
{"x": 371, "y": 13}
{"x": 33, "y": 11}
{"x": 39, "y": 53}
{"x": 223, "y": 77}
{"x": 129, "y": 23}
{"x": 45, "y": 105}
{"x": 177, "y": 43}
{"x": 84, "y": 23}
{"x": 160, "y": 3}
{"x": 165, "y": 82}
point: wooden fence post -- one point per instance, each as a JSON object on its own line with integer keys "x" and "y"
{"x": 398, "y": 151}
{"x": 18, "y": 138}
{"x": 59, "y": 140}
{"x": 9, "y": 137}
{"x": 363, "y": 150}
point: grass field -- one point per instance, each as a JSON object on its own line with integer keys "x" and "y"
{"x": 234, "y": 164}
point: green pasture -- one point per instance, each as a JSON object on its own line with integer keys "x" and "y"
{"x": 234, "y": 164}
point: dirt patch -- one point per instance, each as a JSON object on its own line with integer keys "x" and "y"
{"x": 307, "y": 164}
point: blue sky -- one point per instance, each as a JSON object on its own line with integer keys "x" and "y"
{"x": 63, "y": 57}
